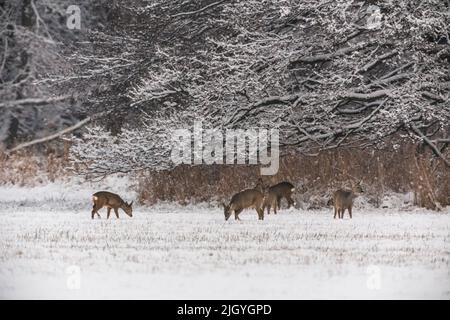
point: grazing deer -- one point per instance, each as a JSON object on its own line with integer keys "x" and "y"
{"x": 282, "y": 190}
{"x": 249, "y": 198}
{"x": 111, "y": 201}
{"x": 343, "y": 199}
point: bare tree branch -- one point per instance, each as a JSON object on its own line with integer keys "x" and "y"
{"x": 367, "y": 96}
{"x": 431, "y": 145}
{"x": 329, "y": 56}
{"x": 373, "y": 63}
{"x": 33, "y": 101}
{"x": 198, "y": 11}
{"x": 51, "y": 137}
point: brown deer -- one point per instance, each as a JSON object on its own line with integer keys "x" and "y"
{"x": 281, "y": 190}
{"x": 249, "y": 198}
{"x": 343, "y": 199}
{"x": 270, "y": 201}
{"x": 111, "y": 201}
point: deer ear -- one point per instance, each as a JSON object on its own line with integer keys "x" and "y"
{"x": 131, "y": 203}
{"x": 224, "y": 205}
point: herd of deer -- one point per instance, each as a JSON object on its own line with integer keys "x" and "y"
{"x": 260, "y": 198}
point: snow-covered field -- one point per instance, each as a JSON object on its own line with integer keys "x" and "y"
{"x": 50, "y": 248}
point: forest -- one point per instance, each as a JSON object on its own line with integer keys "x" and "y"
{"x": 357, "y": 89}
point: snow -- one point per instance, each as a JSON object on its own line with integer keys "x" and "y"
{"x": 71, "y": 193}
{"x": 175, "y": 252}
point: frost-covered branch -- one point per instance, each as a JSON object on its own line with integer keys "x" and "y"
{"x": 315, "y": 70}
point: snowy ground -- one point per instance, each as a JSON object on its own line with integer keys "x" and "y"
{"x": 52, "y": 249}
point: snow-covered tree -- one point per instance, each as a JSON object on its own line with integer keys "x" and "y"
{"x": 35, "y": 46}
{"x": 327, "y": 74}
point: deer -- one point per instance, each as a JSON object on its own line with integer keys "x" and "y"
{"x": 270, "y": 201}
{"x": 111, "y": 201}
{"x": 248, "y": 198}
{"x": 343, "y": 199}
{"x": 279, "y": 191}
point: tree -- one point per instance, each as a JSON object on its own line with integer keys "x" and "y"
{"x": 327, "y": 74}
{"x": 34, "y": 45}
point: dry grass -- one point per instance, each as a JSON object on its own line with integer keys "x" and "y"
{"x": 405, "y": 170}
{"x": 27, "y": 169}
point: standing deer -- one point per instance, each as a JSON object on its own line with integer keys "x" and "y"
{"x": 111, "y": 201}
{"x": 282, "y": 190}
{"x": 343, "y": 199}
{"x": 249, "y": 198}
{"x": 270, "y": 201}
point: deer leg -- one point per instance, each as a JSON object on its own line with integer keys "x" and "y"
{"x": 108, "y": 213}
{"x": 279, "y": 203}
{"x": 95, "y": 211}
{"x": 236, "y": 214}
{"x": 275, "y": 208}
{"x": 350, "y": 212}
{"x": 290, "y": 201}
{"x": 342, "y": 213}
{"x": 335, "y": 212}
{"x": 260, "y": 213}
{"x": 266, "y": 206}
{"x": 116, "y": 211}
